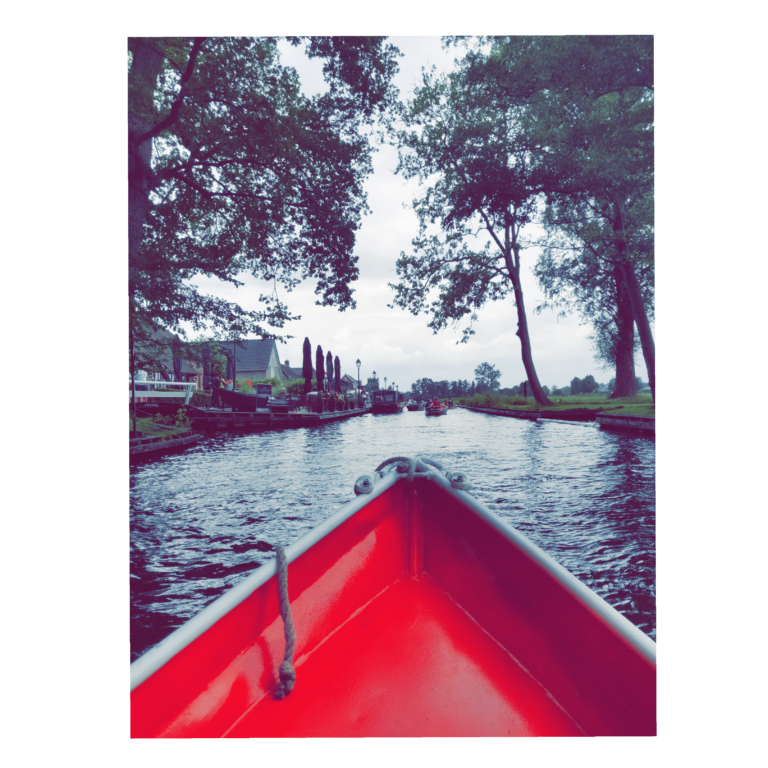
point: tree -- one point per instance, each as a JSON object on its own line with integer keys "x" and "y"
{"x": 459, "y": 388}
{"x": 232, "y": 169}
{"x": 487, "y": 377}
{"x": 575, "y": 273}
{"x": 423, "y": 387}
{"x": 443, "y": 388}
{"x": 337, "y": 373}
{"x": 462, "y": 136}
{"x": 587, "y": 110}
{"x": 588, "y": 384}
{"x": 373, "y": 383}
{"x": 578, "y": 271}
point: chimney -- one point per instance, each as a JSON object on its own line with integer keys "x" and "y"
{"x": 287, "y": 364}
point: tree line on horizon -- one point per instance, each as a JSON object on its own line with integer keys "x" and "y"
{"x": 487, "y": 379}
{"x": 232, "y": 169}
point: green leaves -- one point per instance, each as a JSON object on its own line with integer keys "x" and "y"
{"x": 247, "y": 173}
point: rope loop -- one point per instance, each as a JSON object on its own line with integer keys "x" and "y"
{"x": 287, "y": 672}
{"x": 409, "y": 466}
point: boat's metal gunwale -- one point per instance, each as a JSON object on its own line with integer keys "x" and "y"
{"x": 621, "y": 624}
{"x": 156, "y": 657}
{"x": 147, "y": 664}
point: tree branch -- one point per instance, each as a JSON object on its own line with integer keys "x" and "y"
{"x": 175, "y": 109}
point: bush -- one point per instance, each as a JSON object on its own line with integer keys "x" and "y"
{"x": 179, "y": 419}
{"x": 294, "y": 387}
{"x": 200, "y": 399}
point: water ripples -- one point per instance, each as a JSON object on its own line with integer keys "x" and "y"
{"x": 201, "y": 520}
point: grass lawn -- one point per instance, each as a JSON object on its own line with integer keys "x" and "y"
{"x": 149, "y": 428}
{"x": 640, "y": 405}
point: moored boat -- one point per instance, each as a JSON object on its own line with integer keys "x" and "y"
{"x": 241, "y": 402}
{"x": 416, "y": 612}
{"x": 385, "y": 401}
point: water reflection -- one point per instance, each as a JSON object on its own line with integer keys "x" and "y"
{"x": 202, "y": 519}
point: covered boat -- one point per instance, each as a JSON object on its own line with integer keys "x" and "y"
{"x": 385, "y": 401}
{"x": 411, "y": 611}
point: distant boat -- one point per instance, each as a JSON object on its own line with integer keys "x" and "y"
{"x": 385, "y": 401}
{"x": 412, "y": 405}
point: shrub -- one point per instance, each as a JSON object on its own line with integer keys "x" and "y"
{"x": 179, "y": 419}
{"x": 200, "y": 399}
{"x": 294, "y": 387}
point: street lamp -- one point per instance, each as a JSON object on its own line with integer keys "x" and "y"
{"x": 357, "y": 363}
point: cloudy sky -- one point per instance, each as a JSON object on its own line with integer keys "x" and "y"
{"x": 65, "y": 248}
{"x": 392, "y": 342}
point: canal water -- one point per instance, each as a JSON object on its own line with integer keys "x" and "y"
{"x": 201, "y": 520}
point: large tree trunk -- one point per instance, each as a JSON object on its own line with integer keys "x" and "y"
{"x": 636, "y": 299}
{"x": 626, "y": 381}
{"x": 145, "y": 68}
{"x": 522, "y": 332}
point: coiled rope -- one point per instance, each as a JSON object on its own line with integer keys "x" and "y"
{"x": 401, "y": 464}
{"x": 287, "y": 672}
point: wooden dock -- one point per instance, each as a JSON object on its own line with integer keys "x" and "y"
{"x": 155, "y": 445}
{"x": 220, "y": 419}
{"x": 644, "y": 424}
{"x": 508, "y": 412}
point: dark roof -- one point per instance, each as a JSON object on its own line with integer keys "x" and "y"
{"x": 161, "y": 348}
{"x": 293, "y": 373}
{"x": 251, "y": 354}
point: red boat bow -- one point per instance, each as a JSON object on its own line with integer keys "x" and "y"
{"x": 418, "y": 612}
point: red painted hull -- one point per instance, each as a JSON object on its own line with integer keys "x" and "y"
{"x": 418, "y": 614}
